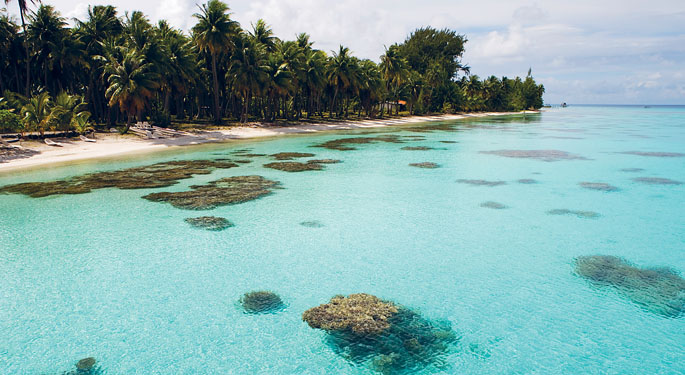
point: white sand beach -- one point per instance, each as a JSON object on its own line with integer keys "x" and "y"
{"x": 37, "y": 154}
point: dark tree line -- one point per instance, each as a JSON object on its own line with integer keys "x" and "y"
{"x": 113, "y": 69}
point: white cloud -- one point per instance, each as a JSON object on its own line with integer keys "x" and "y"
{"x": 176, "y": 12}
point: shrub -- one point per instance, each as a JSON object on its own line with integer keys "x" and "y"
{"x": 10, "y": 122}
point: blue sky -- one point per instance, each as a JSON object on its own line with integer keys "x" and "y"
{"x": 594, "y": 52}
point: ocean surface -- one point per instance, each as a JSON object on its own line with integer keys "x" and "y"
{"x": 486, "y": 243}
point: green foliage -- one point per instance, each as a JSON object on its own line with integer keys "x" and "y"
{"x": 38, "y": 113}
{"x": 10, "y": 122}
{"x": 121, "y": 65}
{"x": 159, "y": 117}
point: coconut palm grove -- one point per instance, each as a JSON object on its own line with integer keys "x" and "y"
{"x": 114, "y": 69}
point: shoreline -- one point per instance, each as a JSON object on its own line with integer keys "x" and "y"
{"x": 113, "y": 145}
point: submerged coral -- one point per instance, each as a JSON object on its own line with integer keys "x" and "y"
{"x": 86, "y": 363}
{"x": 632, "y": 170}
{"x": 324, "y": 161}
{"x": 657, "y": 181}
{"x": 260, "y": 302}
{"x": 250, "y": 155}
{"x": 493, "y": 205}
{"x": 290, "y": 155}
{"x": 345, "y": 144}
{"x": 293, "y": 166}
{"x": 361, "y": 314}
{"x": 449, "y": 142}
{"x": 151, "y": 176}
{"x": 417, "y": 148}
{"x": 226, "y": 191}
{"x": 388, "y": 337}
{"x": 601, "y": 186}
{"x": 527, "y": 181}
{"x": 211, "y": 223}
{"x": 580, "y": 214}
{"x": 312, "y": 224}
{"x": 481, "y": 182}
{"x": 429, "y": 128}
{"x": 655, "y": 154}
{"x": 659, "y": 290}
{"x": 426, "y": 164}
{"x": 544, "y": 155}
{"x": 86, "y": 366}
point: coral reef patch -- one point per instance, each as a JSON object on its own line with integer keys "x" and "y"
{"x": 655, "y": 154}
{"x": 290, "y": 155}
{"x": 527, "y": 181}
{"x": 86, "y": 366}
{"x": 493, "y": 205}
{"x": 481, "y": 182}
{"x": 226, "y": 191}
{"x": 151, "y": 176}
{"x": 600, "y": 186}
{"x": 86, "y": 363}
{"x": 631, "y": 170}
{"x": 543, "y": 155}
{"x": 426, "y": 164}
{"x": 261, "y": 302}
{"x": 312, "y": 224}
{"x": 324, "y": 161}
{"x": 347, "y": 144}
{"x": 388, "y": 337}
{"x": 417, "y": 148}
{"x": 658, "y": 290}
{"x": 657, "y": 181}
{"x": 211, "y": 223}
{"x": 293, "y": 166}
{"x": 580, "y": 214}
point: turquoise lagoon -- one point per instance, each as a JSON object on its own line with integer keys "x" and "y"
{"x": 125, "y": 280}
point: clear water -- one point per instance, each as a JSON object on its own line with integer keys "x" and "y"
{"x": 127, "y": 281}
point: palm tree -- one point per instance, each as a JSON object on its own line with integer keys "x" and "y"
{"x": 314, "y": 76}
{"x": 339, "y": 73}
{"x": 214, "y": 32}
{"x": 23, "y": 9}
{"x": 182, "y": 65}
{"x": 81, "y": 123}
{"x": 262, "y": 34}
{"x": 131, "y": 84}
{"x": 47, "y": 33}
{"x": 65, "y": 109}
{"x": 372, "y": 87}
{"x": 248, "y": 71}
{"x": 279, "y": 83}
{"x": 102, "y": 26}
{"x": 8, "y": 34}
{"x": 395, "y": 70}
{"x": 37, "y": 113}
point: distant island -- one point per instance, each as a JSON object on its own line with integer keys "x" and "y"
{"x": 111, "y": 71}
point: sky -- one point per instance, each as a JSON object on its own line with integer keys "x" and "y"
{"x": 583, "y": 51}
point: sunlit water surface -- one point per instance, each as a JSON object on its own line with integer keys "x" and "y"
{"x": 127, "y": 281}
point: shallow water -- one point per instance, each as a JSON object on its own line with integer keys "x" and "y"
{"x": 110, "y": 275}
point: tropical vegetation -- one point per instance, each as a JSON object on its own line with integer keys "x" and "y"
{"x": 111, "y": 69}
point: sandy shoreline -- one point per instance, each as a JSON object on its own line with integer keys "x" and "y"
{"x": 108, "y": 145}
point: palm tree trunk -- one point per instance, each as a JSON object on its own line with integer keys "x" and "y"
{"x": 2, "y": 83}
{"x": 26, "y": 46}
{"x": 217, "y": 109}
{"x": 335, "y": 95}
